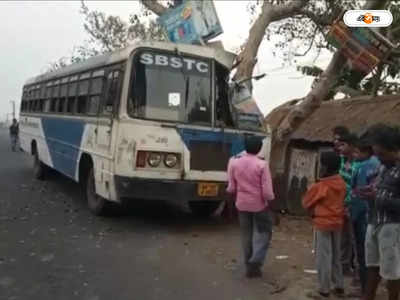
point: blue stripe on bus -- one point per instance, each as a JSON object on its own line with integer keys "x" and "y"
{"x": 63, "y": 139}
{"x": 236, "y": 140}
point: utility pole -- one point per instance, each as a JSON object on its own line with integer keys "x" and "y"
{"x": 7, "y": 119}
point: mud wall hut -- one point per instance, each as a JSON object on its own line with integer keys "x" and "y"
{"x": 295, "y": 162}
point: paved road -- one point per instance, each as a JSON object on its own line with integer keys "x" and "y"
{"x": 51, "y": 247}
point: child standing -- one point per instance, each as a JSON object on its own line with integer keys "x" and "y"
{"x": 325, "y": 203}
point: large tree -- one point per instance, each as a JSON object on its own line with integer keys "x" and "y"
{"x": 303, "y": 23}
{"x": 306, "y": 22}
{"x": 339, "y": 72}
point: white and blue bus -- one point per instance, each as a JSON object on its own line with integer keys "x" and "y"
{"x": 152, "y": 121}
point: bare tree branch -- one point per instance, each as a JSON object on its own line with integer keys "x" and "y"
{"x": 313, "y": 100}
{"x": 320, "y": 20}
{"x": 269, "y": 13}
{"x": 376, "y": 4}
{"x": 154, "y": 6}
{"x": 279, "y": 12}
{"x": 311, "y": 43}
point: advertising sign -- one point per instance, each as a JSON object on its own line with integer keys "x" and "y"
{"x": 363, "y": 47}
{"x": 191, "y": 22}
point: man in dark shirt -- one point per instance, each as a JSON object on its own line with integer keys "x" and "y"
{"x": 347, "y": 170}
{"x": 383, "y": 233}
{"x": 14, "y": 132}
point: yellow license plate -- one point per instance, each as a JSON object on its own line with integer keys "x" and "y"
{"x": 207, "y": 189}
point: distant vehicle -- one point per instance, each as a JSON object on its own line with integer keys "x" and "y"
{"x": 152, "y": 121}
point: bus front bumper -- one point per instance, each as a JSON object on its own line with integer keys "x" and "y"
{"x": 169, "y": 190}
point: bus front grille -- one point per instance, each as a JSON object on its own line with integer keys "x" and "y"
{"x": 209, "y": 156}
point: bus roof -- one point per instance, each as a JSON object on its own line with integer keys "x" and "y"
{"x": 222, "y": 56}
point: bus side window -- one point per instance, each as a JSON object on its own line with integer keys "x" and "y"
{"x": 72, "y": 88}
{"x": 48, "y": 98}
{"x": 96, "y": 91}
{"x": 23, "y": 100}
{"x": 42, "y": 97}
{"x": 34, "y": 99}
{"x": 54, "y": 100}
{"x": 83, "y": 90}
{"x": 63, "y": 98}
{"x": 113, "y": 87}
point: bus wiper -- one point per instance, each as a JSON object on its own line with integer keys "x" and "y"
{"x": 186, "y": 91}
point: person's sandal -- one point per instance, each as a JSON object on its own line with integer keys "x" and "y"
{"x": 253, "y": 271}
{"x": 339, "y": 293}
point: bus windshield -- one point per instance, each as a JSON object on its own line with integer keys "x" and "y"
{"x": 171, "y": 88}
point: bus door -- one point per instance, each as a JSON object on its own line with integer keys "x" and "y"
{"x": 108, "y": 109}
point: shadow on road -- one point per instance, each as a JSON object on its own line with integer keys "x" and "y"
{"x": 152, "y": 213}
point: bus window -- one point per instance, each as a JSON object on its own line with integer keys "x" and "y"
{"x": 83, "y": 90}
{"x": 41, "y": 105}
{"x": 46, "y": 105}
{"x": 71, "y": 97}
{"x": 63, "y": 98}
{"x": 54, "y": 100}
{"x": 34, "y": 105}
{"x": 96, "y": 90}
{"x": 223, "y": 112}
{"x": 60, "y": 106}
{"x": 37, "y": 94}
{"x": 112, "y": 91}
{"x": 42, "y": 97}
{"x": 48, "y": 98}
{"x": 172, "y": 94}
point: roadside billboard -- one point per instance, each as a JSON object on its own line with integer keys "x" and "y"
{"x": 191, "y": 22}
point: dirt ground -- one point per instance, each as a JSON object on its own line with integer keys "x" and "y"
{"x": 51, "y": 247}
{"x": 289, "y": 272}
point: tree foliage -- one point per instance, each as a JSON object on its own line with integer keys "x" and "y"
{"x": 306, "y": 33}
{"x": 108, "y": 33}
{"x": 296, "y": 28}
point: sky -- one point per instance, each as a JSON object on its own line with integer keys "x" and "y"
{"x": 36, "y": 33}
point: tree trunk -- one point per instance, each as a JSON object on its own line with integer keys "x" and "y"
{"x": 269, "y": 13}
{"x": 248, "y": 55}
{"x": 314, "y": 98}
{"x": 154, "y": 6}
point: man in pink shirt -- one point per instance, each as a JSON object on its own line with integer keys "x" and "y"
{"x": 249, "y": 180}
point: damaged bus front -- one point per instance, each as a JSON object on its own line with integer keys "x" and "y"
{"x": 179, "y": 131}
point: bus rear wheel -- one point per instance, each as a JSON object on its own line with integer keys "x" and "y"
{"x": 97, "y": 204}
{"x": 203, "y": 208}
{"x": 39, "y": 168}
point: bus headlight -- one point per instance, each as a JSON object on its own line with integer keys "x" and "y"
{"x": 154, "y": 159}
{"x": 171, "y": 160}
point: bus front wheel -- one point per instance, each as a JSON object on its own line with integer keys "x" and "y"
{"x": 203, "y": 208}
{"x": 97, "y": 204}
